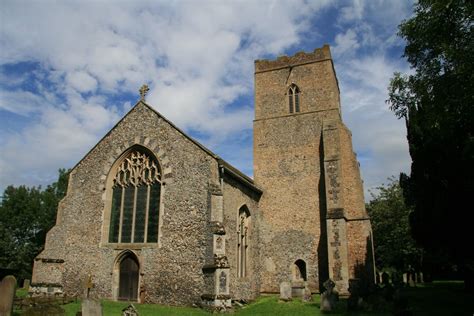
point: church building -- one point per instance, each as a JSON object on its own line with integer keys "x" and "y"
{"x": 153, "y": 216}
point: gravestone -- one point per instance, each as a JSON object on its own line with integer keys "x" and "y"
{"x": 91, "y": 307}
{"x": 405, "y": 278}
{"x": 328, "y": 297}
{"x": 306, "y": 294}
{"x": 420, "y": 277}
{"x": 285, "y": 291}
{"x": 7, "y": 293}
{"x": 130, "y": 310}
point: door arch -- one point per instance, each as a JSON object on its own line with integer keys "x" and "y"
{"x": 128, "y": 277}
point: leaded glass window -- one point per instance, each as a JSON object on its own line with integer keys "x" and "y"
{"x": 136, "y": 194}
{"x": 294, "y": 98}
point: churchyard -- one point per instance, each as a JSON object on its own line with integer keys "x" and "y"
{"x": 436, "y": 298}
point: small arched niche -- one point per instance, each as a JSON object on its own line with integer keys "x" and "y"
{"x": 299, "y": 271}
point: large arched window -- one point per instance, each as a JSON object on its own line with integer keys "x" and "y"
{"x": 294, "y": 98}
{"x": 135, "y": 206}
{"x": 242, "y": 241}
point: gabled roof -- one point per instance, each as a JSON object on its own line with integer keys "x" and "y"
{"x": 237, "y": 174}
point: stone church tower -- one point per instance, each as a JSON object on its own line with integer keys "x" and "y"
{"x": 151, "y": 215}
{"x": 314, "y": 225}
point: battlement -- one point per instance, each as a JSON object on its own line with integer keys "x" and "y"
{"x": 299, "y": 58}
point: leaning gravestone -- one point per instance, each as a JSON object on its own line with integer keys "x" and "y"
{"x": 328, "y": 297}
{"x": 7, "y": 293}
{"x": 26, "y": 284}
{"x": 91, "y": 307}
{"x": 285, "y": 291}
{"x": 130, "y": 310}
{"x": 306, "y": 294}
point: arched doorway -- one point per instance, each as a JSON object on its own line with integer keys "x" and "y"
{"x": 128, "y": 278}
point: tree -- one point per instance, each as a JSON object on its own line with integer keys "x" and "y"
{"x": 26, "y": 215}
{"x": 436, "y": 102}
{"x": 394, "y": 246}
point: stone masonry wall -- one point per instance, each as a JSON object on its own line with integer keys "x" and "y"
{"x": 287, "y": 162}
{"x": 170, "y": 272}
{"x": 236, "y": 196}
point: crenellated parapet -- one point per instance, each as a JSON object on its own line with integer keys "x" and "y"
{"x": 300, "y": 58}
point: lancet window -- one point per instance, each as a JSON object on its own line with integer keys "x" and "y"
{"x": 136, "y": 194}
{"x": 242, "y": 241}
{"x": 294, "y": 98}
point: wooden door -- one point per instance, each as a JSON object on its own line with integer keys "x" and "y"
{"x": 128, "y": 288}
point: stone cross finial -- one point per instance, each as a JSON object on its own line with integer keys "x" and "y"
{"x": 143, "y": 91}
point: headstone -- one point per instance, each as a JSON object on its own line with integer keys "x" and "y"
{"x": 405, "y": 278}
{"x": 285, "y": 291}
{"x": 306, "y": 294}
{"x": 328, "y": 297}
{"x": 26, "y": 284}
{"x": 91, "y": 307}
{"x": 420, "y": 279}
{"x": 130, "y": 310}
{"x": 7, "y": 293}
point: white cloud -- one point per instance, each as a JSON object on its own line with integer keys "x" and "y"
{"x": 197, "y": 57}
{"x": 81, "y": 81}
{"x": 346, "y": 43}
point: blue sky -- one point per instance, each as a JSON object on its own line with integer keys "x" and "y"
{"x": 70, "y": 70}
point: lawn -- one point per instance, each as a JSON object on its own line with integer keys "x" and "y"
{"x": 437, "y": 298}
{"x": 265, "y": 305}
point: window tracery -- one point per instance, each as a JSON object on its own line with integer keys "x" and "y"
{"x": 294, "y": 98}
{"x": 135, "y": 205}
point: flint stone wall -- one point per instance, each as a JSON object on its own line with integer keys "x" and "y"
{"x": 171, "y": 271}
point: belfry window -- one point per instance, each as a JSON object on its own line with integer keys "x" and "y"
{"x": 135, "y": 200}
{"x": 294, "y": 98}
{"x": 242, "y": 241}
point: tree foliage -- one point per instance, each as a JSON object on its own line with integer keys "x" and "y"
{"x": 436, "y": 102}
{"x": 394, "y": 246}
{"x": 26, "y": 215}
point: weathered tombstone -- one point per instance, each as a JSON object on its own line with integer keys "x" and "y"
{"x": 7, "y": 293}
{"x": 91, "y": 307}
{"x": 26, "y": 284}
{"x": 306, "y": 294}
{"x": 420, "y": 279}
{"x": 130, "y": 310}
{"x": 285, "y": 291}
{"x": 328, "y": 297}
{"x": 405, "y": 278}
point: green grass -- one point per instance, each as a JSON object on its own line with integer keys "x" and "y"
{"x": 265, "y": 305}
{"x": 438, "y": 298}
